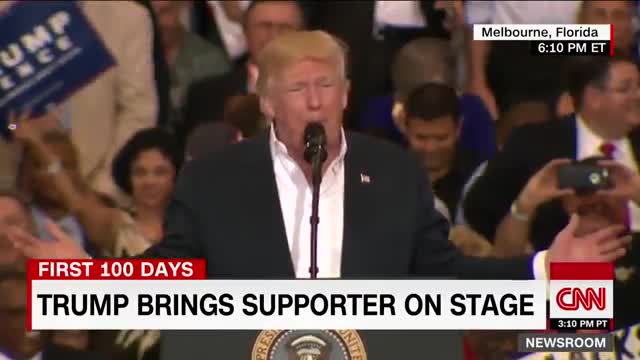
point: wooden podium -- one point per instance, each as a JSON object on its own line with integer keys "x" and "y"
{"x": 312, "y": 344}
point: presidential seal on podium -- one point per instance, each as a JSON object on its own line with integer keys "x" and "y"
{"x": 308, "y": 345}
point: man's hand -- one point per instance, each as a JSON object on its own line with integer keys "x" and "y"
{"x": 61, "y": 247}
{"x": 22, "y": 127}
{"x": 626, "y": 182}
{"x": 27, "y": 129}
{"x": 606, "y": 245}
{"x": 542, "y": 187}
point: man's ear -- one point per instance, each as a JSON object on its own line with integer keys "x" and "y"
{"x": 345, "y": 96}
{"x": 399, "y": 116}
{"x": 266, "y": 107}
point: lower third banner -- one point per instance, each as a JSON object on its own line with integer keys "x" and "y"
{"x": 287, "y": 304}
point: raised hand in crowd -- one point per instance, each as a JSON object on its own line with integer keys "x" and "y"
{"x": 96, "y": 219}
{"x": 542, "y": 187}
{"x": 512, "y": 234}
{"x": 62, "y": 246}
{"x": 27, "y": 129}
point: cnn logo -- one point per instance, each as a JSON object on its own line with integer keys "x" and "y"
{"x": 571, "y": 299}
{"x": 580, "y": 299}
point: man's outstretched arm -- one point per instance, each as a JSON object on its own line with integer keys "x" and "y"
{"x": 182, "y": 238}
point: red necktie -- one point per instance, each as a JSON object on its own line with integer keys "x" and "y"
{"x": 608, "y": 149}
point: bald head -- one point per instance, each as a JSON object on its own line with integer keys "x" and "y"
{"x": 422, "y": 61}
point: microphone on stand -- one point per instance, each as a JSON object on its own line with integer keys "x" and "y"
{"x": 315, "y": 153}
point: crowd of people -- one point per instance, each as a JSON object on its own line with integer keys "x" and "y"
{"x": 490, "y": 124}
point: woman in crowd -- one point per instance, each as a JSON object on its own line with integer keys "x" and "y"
{"x": 146, "y": 170}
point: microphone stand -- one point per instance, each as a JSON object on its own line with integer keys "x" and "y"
{"x": 315, "y": 153}
{"x": 316, "y": 178}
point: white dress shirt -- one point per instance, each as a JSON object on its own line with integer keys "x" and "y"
{"x": 521, "y": 12}
{"x": 588, "y": 145}
{"x": 398, "y": 14}
{"x": 295, "y": 200}
{"x": 230, "y": 32}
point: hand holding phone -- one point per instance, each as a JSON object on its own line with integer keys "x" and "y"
{"x": 584, "y": 177}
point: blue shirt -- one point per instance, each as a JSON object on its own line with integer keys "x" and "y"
{"x": 68, "y": 224}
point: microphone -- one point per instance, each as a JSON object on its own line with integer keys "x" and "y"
{"x": 315, "y": 143}
{"x": 315, "y": 152}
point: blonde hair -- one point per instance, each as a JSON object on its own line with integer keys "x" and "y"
{"x": 293, "y": 47}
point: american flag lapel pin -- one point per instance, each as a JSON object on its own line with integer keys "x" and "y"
{"x": 365, "y": 179}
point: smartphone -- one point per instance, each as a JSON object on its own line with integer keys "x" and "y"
{"x": 584, "y": 178}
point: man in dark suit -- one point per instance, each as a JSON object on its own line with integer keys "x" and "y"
{"x": 15, "y": 342}
{"x": 605, "y": 90}
{"x": 160, "y": 67}
{"x": 263, "y": 20}
{"x": 245, "y": 209}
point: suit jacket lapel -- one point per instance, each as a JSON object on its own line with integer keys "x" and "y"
{"x": 269, "y": 223}
{"x": 356, "y": 191}
{"x": 569, "y": 130}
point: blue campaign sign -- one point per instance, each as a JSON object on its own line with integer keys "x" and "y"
{"x": 48, "y": 50}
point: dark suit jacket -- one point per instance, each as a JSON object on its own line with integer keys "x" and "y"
{"x": 161, "y": 69}
{"x": 226, "y": 209}
{"x": 526, "y": 151}
{"x": 206, "y": 98}
{"x": 56, "y": 352}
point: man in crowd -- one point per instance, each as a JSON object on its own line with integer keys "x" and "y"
{"x": 503, "y": 73}
{"x": 16, "y": 343}
{"x": 375, "y": 31}
{"x": 190, "y": 58}
{"x": 14, "y": 211}
{"x": 433, "y": 131}
{"x": 422, "y": 61}
{"x": 303, "y": 79}
{"x": 618, "y": 13}
{"x": 263, "y": 21}
{"x": 605, "y": 90}
{"x": 102, "y": 115}
{"x": 597, "y": 210}
{"x": 46, "y": 203}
